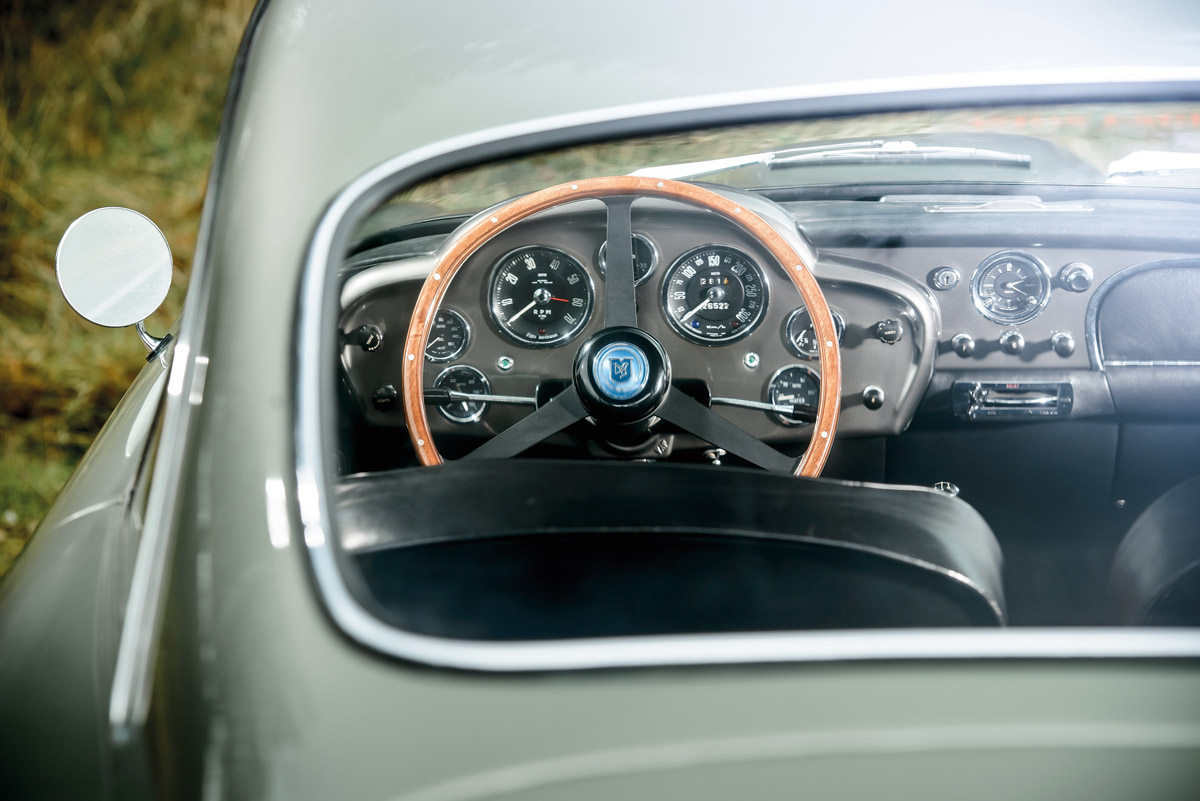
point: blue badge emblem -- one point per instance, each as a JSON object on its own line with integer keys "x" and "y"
{"x": 620, "y": 371}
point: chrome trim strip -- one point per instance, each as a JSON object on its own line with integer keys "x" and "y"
{"x": 414, "y": 268}
{"x": 1118, "y": 363}
{"x": 314, "y": 390}
{"x": 1091, "y": 330}
{"x": 133, "y": 675}
{"x": 539, "y": 777}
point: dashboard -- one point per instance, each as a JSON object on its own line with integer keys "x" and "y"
{"x": 963, "y": 315}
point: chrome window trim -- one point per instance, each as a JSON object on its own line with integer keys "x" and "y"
{"x": 141, "y": 627}
{"x": 318, "y": 306}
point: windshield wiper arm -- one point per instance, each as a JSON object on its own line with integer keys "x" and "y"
{"x": 866, "y": 151}
{"x": 893, "y": 152}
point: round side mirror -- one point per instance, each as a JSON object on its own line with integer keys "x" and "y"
{"x": 114, "y": 267}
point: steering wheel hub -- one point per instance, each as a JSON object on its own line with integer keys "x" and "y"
{"x": 622, "y": 375}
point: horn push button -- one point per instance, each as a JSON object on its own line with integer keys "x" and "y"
{"x": 622, "y": 375}
{"x": 620, "y": 370}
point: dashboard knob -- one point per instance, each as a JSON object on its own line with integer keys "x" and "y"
{"x": 367, "y": 337}
{"x": 889, "y": 331}
{"x": 1063, "y": 344}
{"x": 1076, "y": 277}
{"x": 873, "y": 398}
{"x": 1012, "y": 342}
{"x": 944, "y": 278}
{"x": 963, "y": 345}
{"x": 385, "y": 398}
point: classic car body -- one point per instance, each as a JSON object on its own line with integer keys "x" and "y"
{"x": 194, "y": 617}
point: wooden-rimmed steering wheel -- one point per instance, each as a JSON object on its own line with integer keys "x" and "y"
{"x": 657, "y": 398}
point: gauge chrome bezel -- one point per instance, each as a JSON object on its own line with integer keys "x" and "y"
{"x": 839, "y": 325}
{"x": 687, "y": 333}
{"x": 1011, "y": 255}
{"x": 467, "y": 333}
{"x": 483, "y": 405}
{"x": 493, "y": 276}
{"x": 654, "y": 259}
{"x": 776, "y": 416}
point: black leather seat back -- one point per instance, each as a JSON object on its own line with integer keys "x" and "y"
{"x": 1156, "y": 570}
{"x": 536, "y": 549}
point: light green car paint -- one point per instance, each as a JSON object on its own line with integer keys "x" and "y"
{"x": 257, "y": 695}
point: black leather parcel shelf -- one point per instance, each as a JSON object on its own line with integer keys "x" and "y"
{"x": 524, "y": 550}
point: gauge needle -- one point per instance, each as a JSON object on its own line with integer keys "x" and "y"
{"x": 531, "y": 304}
{"x": 692, "y": 313}
{"x": 433, "y": 342}
{"x": 1012, "y": 285}
{"x": 560, "y": 300}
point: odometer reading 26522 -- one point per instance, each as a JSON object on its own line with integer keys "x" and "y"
{"x": 714, "y": 295}
{"x": 540, "y": 296}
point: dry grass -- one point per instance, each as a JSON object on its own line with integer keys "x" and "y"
{"x": 104, "y": 103}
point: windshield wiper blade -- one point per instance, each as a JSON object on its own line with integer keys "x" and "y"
{"x": 893, "y": 152}
{"x": 866, "y": 151}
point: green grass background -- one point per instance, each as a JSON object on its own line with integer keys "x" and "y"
{"x": 105, "y": 103}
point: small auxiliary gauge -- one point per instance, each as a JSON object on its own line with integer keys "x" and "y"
{"x": 462, "y": 378}
{"x": 1010, "y": 287}
{"x": 798, "y": 386}
{"x": 645, "y": 258}
{"x": 448, "y": 336}
{"x": 800, "y": 336}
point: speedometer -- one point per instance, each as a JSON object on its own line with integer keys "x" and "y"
{"x": 714, "y": 295}
{"x": 1010, "y": 287}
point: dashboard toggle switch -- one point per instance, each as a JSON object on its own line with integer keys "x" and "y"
{"x": 889, "y": 331}
{"x": 1076, "y": 277}
{"x": 963, "y": 345}
{"x": 873, "y": 398}
{"x": 1012, "y": 342}
{"x": 1063, "y": 344}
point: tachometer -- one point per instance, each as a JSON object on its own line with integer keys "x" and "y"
{"x": 1010, "y": 287}
{"x": 714, "y": 295}
{"x": 540, "y": 296}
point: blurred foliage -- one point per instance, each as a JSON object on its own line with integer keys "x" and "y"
{"x": 105, "y": 103}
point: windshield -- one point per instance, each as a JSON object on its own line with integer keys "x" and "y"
{"x": 1076, "y": 145}
{"x": 972, "y": 327}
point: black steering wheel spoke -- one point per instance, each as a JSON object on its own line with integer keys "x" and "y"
{"x": 620, "y": 301}
{"x": 697, "y": 419}
{"x": 559, "y": 412}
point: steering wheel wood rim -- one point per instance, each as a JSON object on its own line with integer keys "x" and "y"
{"x": 498, "y": 220}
